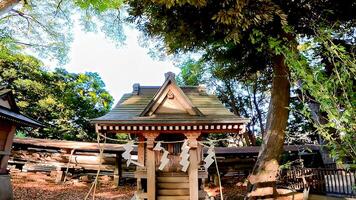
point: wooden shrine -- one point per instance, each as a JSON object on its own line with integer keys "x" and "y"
{"x": 10, "y": 119}
{"x": 170, "y": 114}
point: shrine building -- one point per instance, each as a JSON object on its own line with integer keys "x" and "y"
{"x": 170, "y": 114}
{"x": 10, "y": 120}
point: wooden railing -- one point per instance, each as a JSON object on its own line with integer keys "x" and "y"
{"x": 321, "y": 180}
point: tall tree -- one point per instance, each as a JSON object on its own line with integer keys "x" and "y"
{"x": 250, "y": 31}
{"x": 63, "y": 101}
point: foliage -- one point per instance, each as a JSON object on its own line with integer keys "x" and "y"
{"x": 246, "y": 97}
{"x": 300, "y": 130}
{"x": 191, "y": 72}
{"x": 238, "y": 39}
{"x": 63, "y": 101}
{"x": 46, "y": 26}
{"x": 242, "y": 38}
{"x": 326, "y": 76}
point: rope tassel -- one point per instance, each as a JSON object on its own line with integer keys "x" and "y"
{"x": 164, "y": 159}
{"x": 185, "y": 156}
{"x": 209, "y": 158}
{"x": 127, "y": 154}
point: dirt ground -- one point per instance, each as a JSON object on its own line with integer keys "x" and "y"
{"x": 40, "y": 186}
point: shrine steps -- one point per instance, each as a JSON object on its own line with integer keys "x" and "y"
{"x": 173, "y": 187}
{"x": 173, "y": 198}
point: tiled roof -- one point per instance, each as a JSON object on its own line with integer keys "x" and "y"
{"x": 18, "y": 118}
{"x": 14, "y": 115}
{"x": 131, "y": 105}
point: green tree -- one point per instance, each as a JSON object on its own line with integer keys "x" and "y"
{"x": 326, "y": 76}
{"x": 63, "y": 101}
{"x": 246, "y": 36}
{"x": 45, "y": 27}
{"x": 246, "y": 97}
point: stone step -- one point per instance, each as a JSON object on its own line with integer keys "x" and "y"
{"x": 172, "y": 185}
{"x": 169, "y": 179}
{"x": 172, "y": 174}
{"x": 173, "y": 192}
{"x": 172, "y": 197}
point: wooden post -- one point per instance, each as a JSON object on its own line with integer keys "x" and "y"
{"x": 141, "y": 151}
{"x": 193, "y": 167}
{"x": 141, "y": 159}
{"x": 151, "y": 166}
{"x": 7, "y": 148}
{"x": 118, "y": 169}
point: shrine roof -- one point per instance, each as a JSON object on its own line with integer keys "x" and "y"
{"x": 148, "y": 105}
{"x": 10, "y": 112}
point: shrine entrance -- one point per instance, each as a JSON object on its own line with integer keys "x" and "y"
{"x": 174, "y": 150}
{"x": 169, "y": 121}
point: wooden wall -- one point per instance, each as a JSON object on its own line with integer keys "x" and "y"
{"x": 5, "y": 128}
{"x": 7, "y": 131}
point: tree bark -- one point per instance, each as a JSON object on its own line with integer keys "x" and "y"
{"x": 264, "y": 174}
{"x": 6, "y": 5}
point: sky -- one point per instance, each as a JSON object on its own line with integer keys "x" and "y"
{"x": 119, "y": 67}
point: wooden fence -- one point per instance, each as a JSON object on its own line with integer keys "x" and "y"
{"x": 321, "y": 180}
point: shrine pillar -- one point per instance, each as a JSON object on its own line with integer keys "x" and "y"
{"x": 151, "y": 165}
{"x": 194, "y": 165}
{"x": 141, "y": 159}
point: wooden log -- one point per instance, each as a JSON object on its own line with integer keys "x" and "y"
{"x": 89, "y": 159}
{"x": 63, "y": 158}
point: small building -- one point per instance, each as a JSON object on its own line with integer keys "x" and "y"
{"x": 169, "y": 114}
{"x": 10, "y": 119}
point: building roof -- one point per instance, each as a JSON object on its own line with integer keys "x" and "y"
{"x": 10, "y": 112}
{"x": 169, "y": 104}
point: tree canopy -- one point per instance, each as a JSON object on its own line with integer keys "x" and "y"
{"x": 46, "y": 27}
{"x": 241, "y": 38}
{"x": 63, "y": 101}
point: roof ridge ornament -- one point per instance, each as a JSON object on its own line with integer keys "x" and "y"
{"x": 170, "y": 75}
{"x": 136, "y": 88}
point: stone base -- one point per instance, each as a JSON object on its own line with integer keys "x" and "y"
{"x": 5, "y": 187}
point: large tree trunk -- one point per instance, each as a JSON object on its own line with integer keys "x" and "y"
{"x": 264, "y": 174}
{"x": 6, "y": 5}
